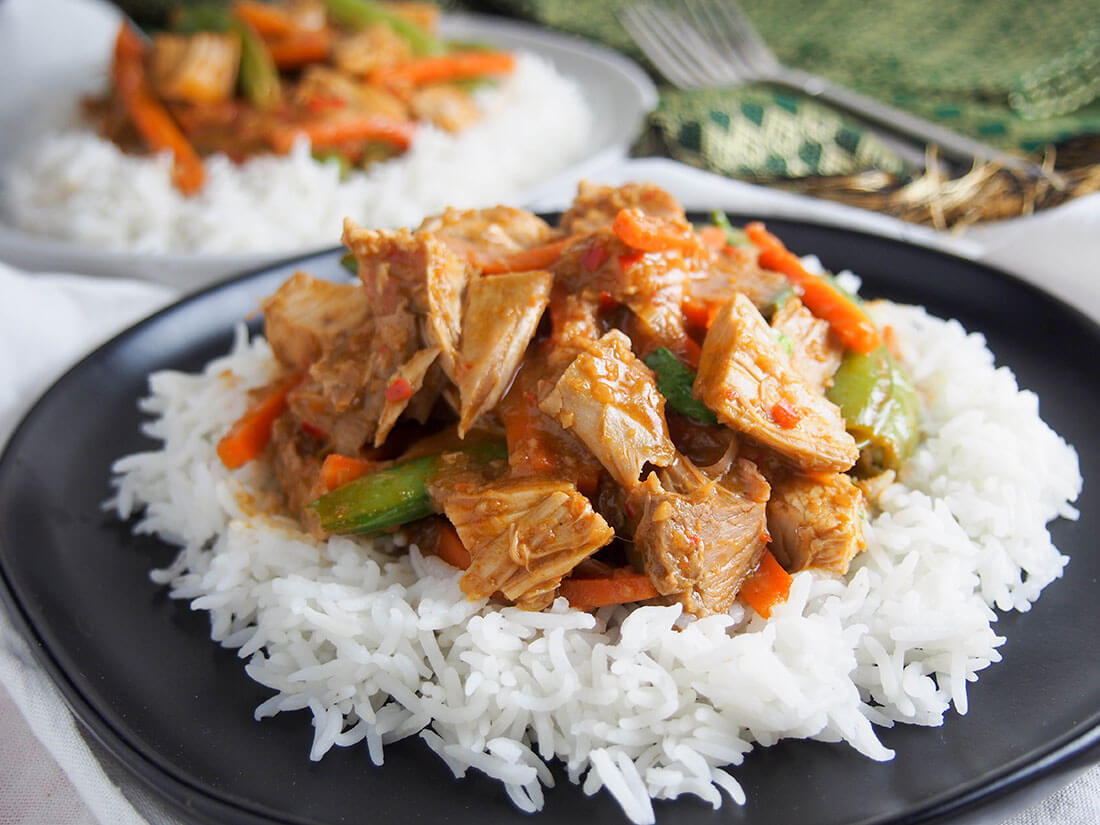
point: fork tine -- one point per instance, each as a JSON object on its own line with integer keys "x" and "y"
{"x": 743, "y": 35}
{"x": 651, "y": 28}
{"x": 705, "y": 22}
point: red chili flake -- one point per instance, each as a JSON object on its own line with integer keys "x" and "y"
{"x": 607, "y": 302}
{"x": 312, "y": 429}
{"x": 630, "y": 259}
{"x": 593, "y": 257}
{"x": 318, "y": 103}
{"x": 630, "y": 511}
{"x": 399, "y": 390}
{"x": 785, "y": 415}
{"x": 694, "y": 539}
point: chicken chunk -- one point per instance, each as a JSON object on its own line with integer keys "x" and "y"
{"x": 402, "y": 387}
{"x": 447, "y": 106}
{"x": 746, "y": 378}
{"x": 815, "y": 352}
{"x": 699, "y": 538}
{"x": 501, "y": 315}
{"x": 304, "y": 316}
{"x": 490, "y": 232}
{"x": 196, "y": 68}
{"x": 418, "y": 272}
{"x": 523, "y": 535}
{"x": 599, "y": 267}
{"x": 596, "y": 206}
{"x": 731, "y": 270}
{"x": 609, "y": 400}
{"x": 366, "y": 50}
{"x": 323, "y": 85}
{"x": 816, "y": 522}
{"x": 343, "y": 393}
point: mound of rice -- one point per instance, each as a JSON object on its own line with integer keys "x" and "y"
{"x": 642, "y": 703}
{"x": 75, "y": 186}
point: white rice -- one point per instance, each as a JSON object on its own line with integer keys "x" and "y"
{"x": 641, "y": 703}
{"x": 75, "y": 186}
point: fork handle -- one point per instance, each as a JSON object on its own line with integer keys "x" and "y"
{"x": 951, "y": 144}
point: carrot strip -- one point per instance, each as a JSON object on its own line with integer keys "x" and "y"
{"x": 713, "y": 237}
{"x": 622, "y": 586}
{"x": 538, "y": 257}
{"x": 250, "y": 433}
{"x": 449, "y": 547}
{"x": 649, "y": 234}
{"x": 824, "y": 300}
{"x": 527, "y": 442}
{"x": 338, "y": 470}
{"x": 767, "y": 586}
{"x": 267, "y": 20}
{"x": 300, "y": 48}
{"x": 148, "y": 114}
{"x": 335, "y": 131}
{"x": 459, "y": 66}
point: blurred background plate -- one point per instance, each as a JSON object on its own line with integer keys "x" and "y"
{"x": 57, "y": 50}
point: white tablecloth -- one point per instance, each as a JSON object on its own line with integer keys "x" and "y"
{"x": 49, "y": 772}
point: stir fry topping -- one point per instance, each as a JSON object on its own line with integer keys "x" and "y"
{"x": 622, "y": 407}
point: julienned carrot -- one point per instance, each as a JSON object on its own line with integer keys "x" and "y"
{"x": 337, "y": 470}
{"x": 457, "y": 66}
{"x": 149, "y": 116}
{"x": 250, "y": 433}
{"x": 332, "y": 132}
{"x": 267, "y": 20}
{"x": 847, "y": 318}
{"x": 538, "y": 257}
{"x": 449, "y": 546}
{"x": 300, "y": 48}
{"x": 650, "y": 234}
{"x": 620, "y": 587}
{"x": 767, "y": 586}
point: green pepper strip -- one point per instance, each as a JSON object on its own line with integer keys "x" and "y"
{"x": 362, "y": 13}
{"x": 734, "y": 236}
{"x": 390, "y": 497}
{"x": 675, "y": 382}
{"x": 259, "y": 77}
{"x": 880, "y": 407}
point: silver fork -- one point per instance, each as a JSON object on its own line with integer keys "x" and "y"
{"x": 712, "y": 43}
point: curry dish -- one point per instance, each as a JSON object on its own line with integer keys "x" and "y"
{"x": 623, "y": 407}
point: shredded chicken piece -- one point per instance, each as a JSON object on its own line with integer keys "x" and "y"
{"x": 814, "y": 350}
{"x": 523, "y": 535}
{"x": 495, "y": 231}
{"x": 400, "y": 269}
{"x": 596, "y": 206}
{"x": 369, "y": 49}
{"x": 400, "y": 390}
{"x": 816, "y": 522}
{"x": 196, "y": 68}
{"x": 746, "y": 378}
{"x": 304, "y": 316}
{"x": 448, "y": 107}
{"x": 609, "y": 400}
{"x": 700, "y": 537}
{"x": 501, "y": 315}
{"x": 733, "y": 269}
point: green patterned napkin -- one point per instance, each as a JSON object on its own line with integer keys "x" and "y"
{"x": 1016, "y": 74}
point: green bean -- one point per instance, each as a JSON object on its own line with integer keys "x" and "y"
{"x": 390, "y": 497}
{"x": 734, "y": 236}
{"x": 259, "y": 78}
{"x": 675, "y": 382}
{"x": 880, "y": 408}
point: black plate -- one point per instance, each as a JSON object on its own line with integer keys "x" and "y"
{"x": 141, "y": 674}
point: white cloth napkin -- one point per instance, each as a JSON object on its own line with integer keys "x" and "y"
{"x": 50, "y": 773}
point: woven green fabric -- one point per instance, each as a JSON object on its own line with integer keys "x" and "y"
{"x": 1014, "y": 73}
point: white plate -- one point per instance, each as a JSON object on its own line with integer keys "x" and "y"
{"x": 57, "y": 50}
